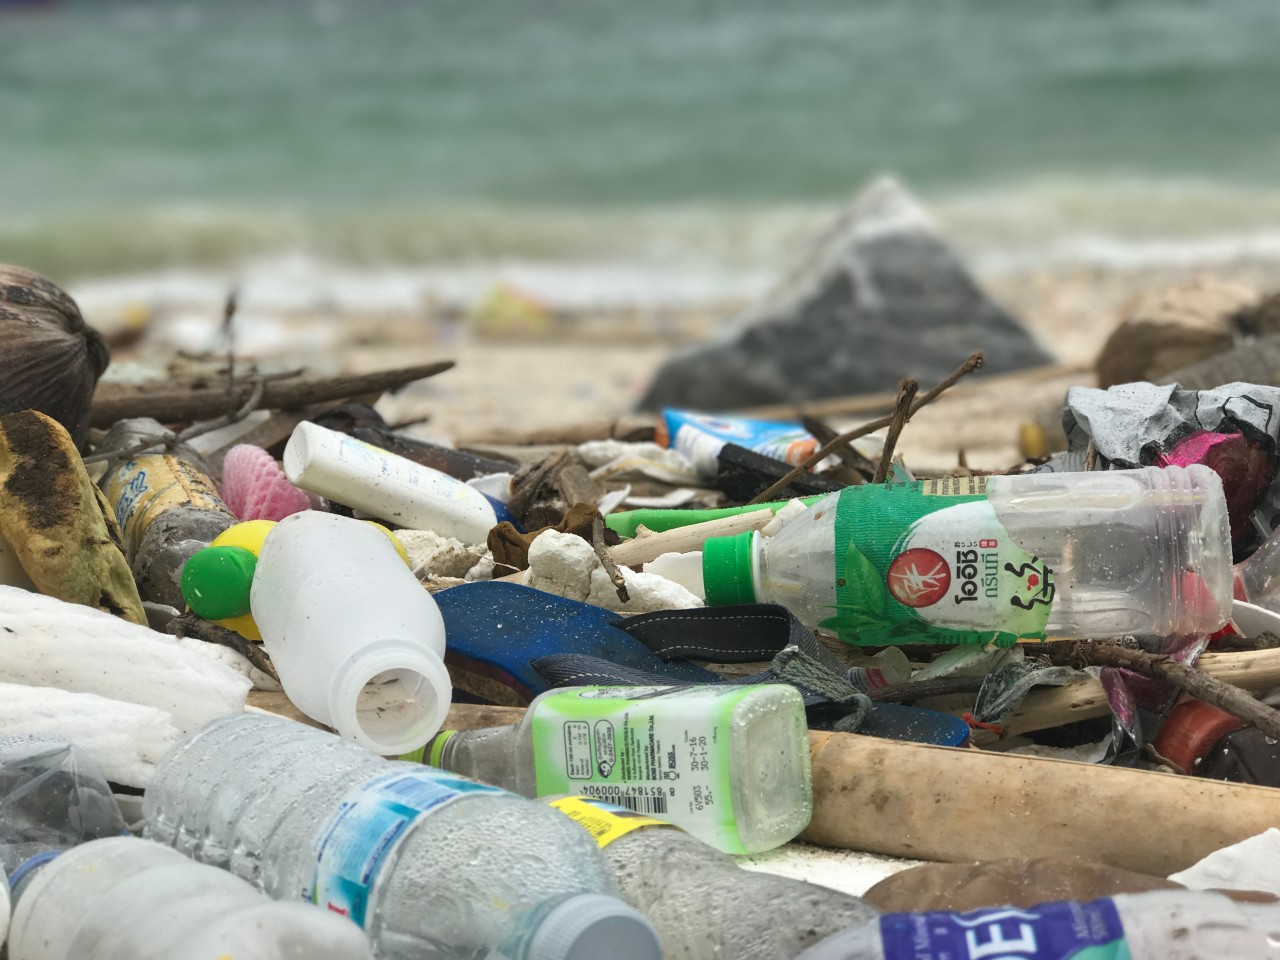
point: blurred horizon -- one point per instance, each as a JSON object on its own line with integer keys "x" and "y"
{"x": 153, "y": 135}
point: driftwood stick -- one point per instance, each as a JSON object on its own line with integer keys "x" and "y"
{"x": 902, "y": 411}
{"x": 1195, "y": 682}
{"x": 919, "y": 689}
{"x": 969, "y": 366}
{"x": 189, "y": 625}
{"x": 611, "y": 568}
{"x": 169, "y": 405}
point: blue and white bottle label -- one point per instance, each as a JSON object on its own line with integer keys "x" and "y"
{"x": 370, "y": 822}
{"x": 1052, "y": 931}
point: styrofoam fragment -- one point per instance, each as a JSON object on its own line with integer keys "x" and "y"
{"x": 240, "y": 664}
{"x": 793, "y": 509}
{"x": 483, "y": 570}
{"x": 47, "y": 642}
{"x": 561, "y": 563}
{"x": 1247, "y": 865}
{"x": 567, "y": 566}
{"x": 646, "y": 593}
{"x": 433, "y": 555}
{"x": 614, "y": 458}
{"x": 125, "y": 740}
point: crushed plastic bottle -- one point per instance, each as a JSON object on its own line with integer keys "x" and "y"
{"x": 166, "y": 505}
{"x": 703, "y": 905}
{"x": 130, "y": 898}
{"x": 428, "y": 863}
{"x": 1161, "y": 925}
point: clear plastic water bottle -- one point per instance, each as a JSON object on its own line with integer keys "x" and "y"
{"x": 129, "y": 898}
{"x": 52, "y": 796}
{"x": 703, "y": 905}
{"x": 428, "y": 863}
{"x": 1160, "y": 925}
{"x": 1001, "y": 558}
{"x": 730, "y": 764}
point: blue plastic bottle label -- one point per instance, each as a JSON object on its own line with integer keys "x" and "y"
{"x": 1053, "y": 931}
{"x": 368, "y": 825}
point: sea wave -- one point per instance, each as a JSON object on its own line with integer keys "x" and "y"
{"x": 613, "y": 257}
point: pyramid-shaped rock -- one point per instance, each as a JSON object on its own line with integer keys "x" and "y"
{"x": 878, "y": 297}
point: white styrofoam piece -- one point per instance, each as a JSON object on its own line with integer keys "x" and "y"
{"x": 1247, "y": 865}
{"x": 850, "y": 871}
{"x": 125, "y": 740}
{"x": 46, "y": 642}
{"x": 567, "y": 566}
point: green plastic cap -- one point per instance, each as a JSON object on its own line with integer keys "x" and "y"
{"x": 216, "y": 581}
{"x": 726, "y": 570}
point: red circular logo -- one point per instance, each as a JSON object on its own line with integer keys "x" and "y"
{"x": 919, "y": 577}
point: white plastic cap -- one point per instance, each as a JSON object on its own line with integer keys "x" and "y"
{"x": 591, "y": 926}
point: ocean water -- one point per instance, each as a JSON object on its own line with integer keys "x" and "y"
{"x": 679, "y": 136}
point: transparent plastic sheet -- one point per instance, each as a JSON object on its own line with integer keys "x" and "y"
{"x": 1008, "y": 685}
{"x": 52, "y": 796}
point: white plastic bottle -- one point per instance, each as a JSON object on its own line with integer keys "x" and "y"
{"x": 357, "y": 641}
{"x": 129, "y": 898}
{"x": 1003, "y": 558}
{"x": 389, "y": 487}
{"x": 703, "y": 905}
{"x": 729, "y": 764}
{"x": 1160, "y": 925}
{"x": 429, "y": 864}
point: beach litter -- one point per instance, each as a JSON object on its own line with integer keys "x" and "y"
{"x": 713, "y": 637}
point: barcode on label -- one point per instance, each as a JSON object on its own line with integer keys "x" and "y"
{"x": 641, "y": 804}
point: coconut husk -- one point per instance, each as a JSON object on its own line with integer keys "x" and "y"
{"x": 50, "y": 359}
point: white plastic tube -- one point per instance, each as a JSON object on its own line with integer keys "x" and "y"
{"x": 386, "y": 486}
{"x": 357, "y": 641}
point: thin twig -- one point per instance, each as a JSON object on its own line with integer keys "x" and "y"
{"x": 229, "y": 332}
{"x": 189, "y": 625}
{"x": 969, "y": 366}
{"x": 901, "y": 412}
{"x": 1090, "y": 455}
{"x": 611, "y": 568}
{"x": 1197, "y": 683}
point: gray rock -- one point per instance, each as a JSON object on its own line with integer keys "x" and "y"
{"x": 878, "y": 297}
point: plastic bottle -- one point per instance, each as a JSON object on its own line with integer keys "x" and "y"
{"x": 1161, "y": 925}
{"x": 703, "y": 905}
{"x": 166, "y": 505}
{"x": 730, "y": 764}
{"x": 1001, "y": 558}
{"x": 389, "y": 487}
{"x": 357, "y": 641}
{"x": 131, "y": 898}
{"x": 429, "y": 864}
{"x": 52, "y": 796}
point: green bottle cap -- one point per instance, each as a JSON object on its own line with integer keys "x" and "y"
{"x": 216, "y": 581}
{"x": 726, "y": 570}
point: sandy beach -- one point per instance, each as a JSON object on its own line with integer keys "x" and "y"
{"x": 575, "y": 365}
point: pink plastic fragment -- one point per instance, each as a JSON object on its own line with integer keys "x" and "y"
{"x": 255, "y": 488}
{"x": 1245, "y": 468}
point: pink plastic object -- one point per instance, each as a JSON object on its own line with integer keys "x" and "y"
{"x": 1245, "y": 468}
{"x": 255, "y": 488}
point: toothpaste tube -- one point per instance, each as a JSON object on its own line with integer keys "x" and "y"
{"x": 700, "y": 438}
